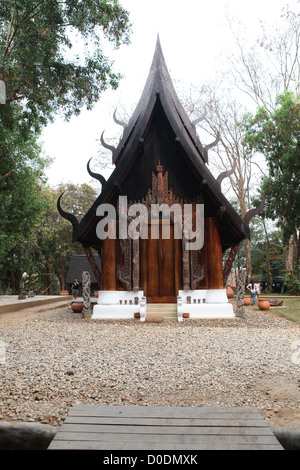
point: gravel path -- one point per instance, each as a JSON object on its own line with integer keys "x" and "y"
{"x": 52, "y": 361}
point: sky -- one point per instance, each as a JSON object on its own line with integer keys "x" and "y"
{"x": 193, "y": 34}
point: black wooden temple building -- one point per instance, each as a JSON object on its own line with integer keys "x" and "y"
{"x": 160, "y": 159}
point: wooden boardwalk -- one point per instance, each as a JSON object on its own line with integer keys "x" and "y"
{"x": 95, "y": 427}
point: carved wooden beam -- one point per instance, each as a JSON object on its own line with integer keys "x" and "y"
{"x": 230, "y": 261}
{"x": 135, "y": 265}
{"x": 198, "y": 271}
{"x": 93, "y": 264}
{"x": 185, "y": 266}
{"x": 124, "y": 272}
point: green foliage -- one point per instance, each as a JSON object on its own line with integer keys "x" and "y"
{"x": 43, "y": 75}
{"x": 291, "y": 284}
{"x": 277, "y": 137}
{"x": 44, "y": 249}
{"x": 53, "y": 247}
{"x": 21, "y": 171}
{"x": 34, "y": 38}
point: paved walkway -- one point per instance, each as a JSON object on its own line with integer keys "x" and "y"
{"x": 13, "y": 299}
{"x": 10, "y": 303}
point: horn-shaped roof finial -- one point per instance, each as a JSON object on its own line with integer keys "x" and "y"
{"x": 97, "y": 176}
{"x": 70, "y": 217}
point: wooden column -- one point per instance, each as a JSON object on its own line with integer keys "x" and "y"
{"x": 94, "y": 266}
{"x": 108, "y": 264}
{"x": 214, "y": 254}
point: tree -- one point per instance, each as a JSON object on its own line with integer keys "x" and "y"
{"x": 21, "y": 181}
{"x": 223, "y": 112}
{"x": 43, "y": 249}
{"x": 277, "y": 136}
{"x": 35, "y": 36}
{"x": 42, "y": 76}
{"x": 271, "y": 65}
{"x": 53, "y": 237}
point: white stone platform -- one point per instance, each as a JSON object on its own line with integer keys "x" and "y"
{"x": 109, "y": 305}
{"x": 202, "y": 303}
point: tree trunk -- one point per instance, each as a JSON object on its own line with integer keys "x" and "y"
{"x": 298, "y": 255}
{"x": 29, "y": 283}
{"x": 243, "y": 207}
{"x": 248, "y": 260}
{"x": 290, "y": 255}
{"x": 269, "y": 271}
{"x": 63, "y": 275}
{"x": 13, "y": 282}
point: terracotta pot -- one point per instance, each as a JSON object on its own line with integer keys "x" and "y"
{"x": 77, "y": 307}
{"x": 229, "y": 291}
{"x": 96, "y": 294}
{"x": 263, "y": 304}
{"x": 186, "y": 315}
{"x": 247, "y": 300}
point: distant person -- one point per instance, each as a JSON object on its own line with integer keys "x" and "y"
{"x": 251, "y": 288}
{"x": 257, "y": 290}
{"x": 75, "y": 288}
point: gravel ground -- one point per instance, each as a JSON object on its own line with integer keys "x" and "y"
{"x": 50, "y": 360}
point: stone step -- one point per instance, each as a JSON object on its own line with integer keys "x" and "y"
{"x": 162, "y": 306}
{"x": 163, "y": 311}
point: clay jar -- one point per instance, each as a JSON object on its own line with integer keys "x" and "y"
{"x": 229, "y": 291}
{"x": 247, "y": 300}
{"x": 263, "y": 304}
{"x": 77, "y": 307}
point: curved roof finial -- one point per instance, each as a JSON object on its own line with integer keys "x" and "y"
{"x": 107, "y": 146}
{"x": 253, "y": 212}
{"x": 117, "y": 121}
{"x": 97, "y": 176}
{"x": 70, "y": 217}
{"x": 226, "y": 174}
{"x": 201, "y": 118}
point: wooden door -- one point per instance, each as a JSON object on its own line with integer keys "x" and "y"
{"x": 163, "y": 267}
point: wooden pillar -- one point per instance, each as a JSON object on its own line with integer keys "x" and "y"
{"x": 93, "y": 264}
{"x": 144, "y": 258}
{"x": 214, "y": 254}
{"x": 108, "y": 264}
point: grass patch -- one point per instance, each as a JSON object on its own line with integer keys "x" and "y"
{"x": 290, "y": 309}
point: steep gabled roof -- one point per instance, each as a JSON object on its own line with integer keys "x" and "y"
{"x": 159, "y": 84}
{"x": 159, "y": 88}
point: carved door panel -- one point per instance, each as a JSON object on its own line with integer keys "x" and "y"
{"x": 161, "y": 266}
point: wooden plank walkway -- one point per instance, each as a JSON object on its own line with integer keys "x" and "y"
{"x": 95, "y": 427}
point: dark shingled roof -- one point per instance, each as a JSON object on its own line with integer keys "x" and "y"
{"x": 80, "y": 263}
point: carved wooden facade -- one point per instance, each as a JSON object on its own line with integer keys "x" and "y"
{"x": 160, "y": 160}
